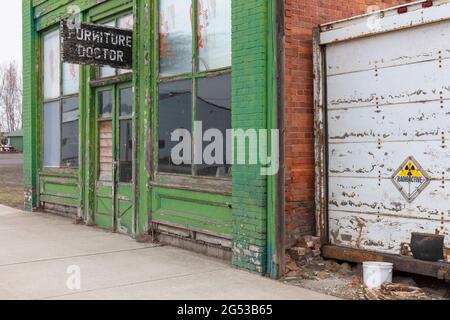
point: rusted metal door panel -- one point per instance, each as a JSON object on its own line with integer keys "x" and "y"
{"x": 389, "y": 49}
{"x": 420, "y": 121}
{"x": 381, "y": 198}
{"x": 388, "y": 99}
{"x": 376, "y": 233}
{"x": 366, "y": 160}
{"x": 411, "y": 83}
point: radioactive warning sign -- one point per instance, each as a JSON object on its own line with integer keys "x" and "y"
{"x": 410, "y": 179}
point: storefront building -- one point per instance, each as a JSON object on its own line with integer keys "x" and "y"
{"x": 98, "y": 140}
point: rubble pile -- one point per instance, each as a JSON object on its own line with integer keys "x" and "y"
{"x": 395, "y": 291}
{"x": 306, "y": 250}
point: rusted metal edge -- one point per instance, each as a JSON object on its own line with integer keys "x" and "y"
{"x": 320, "y": 138}
{"x": 357, "y": 27}
{"x": 438, "y": 270}
{"x": 280, "y": 200}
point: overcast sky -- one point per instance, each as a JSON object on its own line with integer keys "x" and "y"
{"x": 11, "y": 31}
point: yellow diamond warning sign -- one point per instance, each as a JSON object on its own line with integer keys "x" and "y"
{"x": 410, "y": 179}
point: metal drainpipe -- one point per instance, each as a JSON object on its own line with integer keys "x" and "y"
{"x": 280, "y": 181}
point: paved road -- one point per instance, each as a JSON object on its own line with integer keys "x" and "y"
{"x": 38, "y": 250}
{"x": 11, "y": 159}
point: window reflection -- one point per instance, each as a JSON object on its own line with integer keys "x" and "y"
{"x": 126, "y": 102}
{"x": 214, "y": 111}
{"x": 175, "y": 101}
{"x": 52, "y": 134}
{"x": 105, "y": 104}
{"x": 69, "y": 133}
{"x": 125, "y": 151}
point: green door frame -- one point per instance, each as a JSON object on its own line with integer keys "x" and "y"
{"x": 119, "y": 192}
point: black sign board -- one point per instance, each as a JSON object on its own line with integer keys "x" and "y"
{"x": 96, "y": 45}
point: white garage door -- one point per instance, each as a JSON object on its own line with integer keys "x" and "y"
{"x": 388, "y": 111}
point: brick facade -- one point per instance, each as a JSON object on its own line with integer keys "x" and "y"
{"x": 249, "y": 107}
{"x": 300, "y": 19}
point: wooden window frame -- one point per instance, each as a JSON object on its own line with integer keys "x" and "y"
{"x": 174, "y": 180}
{"x": 61, "y": 169}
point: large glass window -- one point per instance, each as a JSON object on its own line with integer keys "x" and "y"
{"x": 194, "y": 85}
{"x": 60, "y": 109}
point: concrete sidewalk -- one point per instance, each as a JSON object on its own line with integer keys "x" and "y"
{"x": 38, "y": 249}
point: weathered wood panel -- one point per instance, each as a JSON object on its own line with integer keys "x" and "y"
{"x": 193, "y": 210}
{"x": 105, "y": 150}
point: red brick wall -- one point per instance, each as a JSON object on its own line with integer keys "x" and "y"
{"x": 300, "y": 18}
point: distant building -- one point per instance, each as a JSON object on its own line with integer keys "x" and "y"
{"x": 15, "y": 139}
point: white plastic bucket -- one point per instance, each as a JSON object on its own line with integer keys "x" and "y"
{"x": 377, "y": 273}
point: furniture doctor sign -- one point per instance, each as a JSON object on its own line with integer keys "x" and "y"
{"x": 96, "y": 45}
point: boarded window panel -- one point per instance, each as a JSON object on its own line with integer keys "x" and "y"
{"x": 69, "y": 133}
{"x": 175, "y": 34}
{"x": 107, "y": 71}
{"x": 70, "y": 79}
{"x": 214, "y": 111}
{"x": 125, "y": 22}
{"x": 105, "y": 151}
{"x": 51, "y": 66}
{"x": 52, "y": 135}
{"x": 175, "y": 112}
{"x": 214, "y": 30}
{"x": 125, "y": 151}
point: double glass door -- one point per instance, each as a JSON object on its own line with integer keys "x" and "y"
{"x": 114, "y": 207}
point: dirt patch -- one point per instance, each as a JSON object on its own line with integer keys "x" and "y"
{"x": 11, "y": 186}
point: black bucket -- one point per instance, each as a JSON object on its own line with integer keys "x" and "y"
{"x": 427, "y": 247}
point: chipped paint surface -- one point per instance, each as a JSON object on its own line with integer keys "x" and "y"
{"x": 388, "y": 99}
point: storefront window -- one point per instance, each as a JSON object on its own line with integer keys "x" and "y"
{"x": 60, "y": 109}
{"x": 207, "y": 73}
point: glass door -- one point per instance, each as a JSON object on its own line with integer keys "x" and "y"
{"x": 114, "y": 207}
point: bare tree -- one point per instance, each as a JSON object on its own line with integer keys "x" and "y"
{"x": 10, "y": 97}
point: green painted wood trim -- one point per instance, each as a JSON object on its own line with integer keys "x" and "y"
{"x": 110, "y": 8}
{"x": 53, "y": 17}
{"x": 30, "y": 119}
{"x": 193, "y": 210}
{"x": 144, "y": 17}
